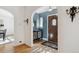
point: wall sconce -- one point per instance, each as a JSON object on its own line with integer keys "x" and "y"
{"x": 26, "y": 20}
{"x": 72, "y": 12}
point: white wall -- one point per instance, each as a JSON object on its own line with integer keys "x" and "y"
{"x": 9, "y": 25}
{"x": 68, "y": 32}
{"x": 28, "y": 28}
{"x": 18, "y": 13}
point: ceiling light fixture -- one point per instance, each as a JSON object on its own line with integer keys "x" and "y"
{"x": 50, "y": 8}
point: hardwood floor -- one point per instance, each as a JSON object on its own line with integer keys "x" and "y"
{"x": 22, "y": 49}
{"x": 9, "y": 48}
{"x": 37, "y": 48}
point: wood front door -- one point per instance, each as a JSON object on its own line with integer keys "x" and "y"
{"x": 53, "y": 29}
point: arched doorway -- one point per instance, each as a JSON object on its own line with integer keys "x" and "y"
{"x": 40, "y": 23}
{"x": 7, "y": 23}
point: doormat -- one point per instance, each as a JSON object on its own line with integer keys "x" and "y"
{"x": 50, "y": 44}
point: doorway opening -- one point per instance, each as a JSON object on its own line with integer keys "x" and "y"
{"x": 41, "y": 21}
{"x": 6, "y": 27}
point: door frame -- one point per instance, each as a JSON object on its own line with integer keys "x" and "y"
{"x": 47, "y": 22}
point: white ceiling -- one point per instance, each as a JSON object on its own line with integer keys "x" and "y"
{"x": 5, "y": 13}
{"x": 44, "y": 9}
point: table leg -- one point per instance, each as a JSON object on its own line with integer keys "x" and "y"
{"x": 3, "y": 36}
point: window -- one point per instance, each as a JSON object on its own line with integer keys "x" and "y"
{"x": 41, "y": 22}
{"x": 37, "y": 23}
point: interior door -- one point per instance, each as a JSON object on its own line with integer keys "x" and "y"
{"x": 52, "y": 29}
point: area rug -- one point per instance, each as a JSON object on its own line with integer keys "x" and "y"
{"x": 43, "y": 49}
{"x": 50, "y": 44}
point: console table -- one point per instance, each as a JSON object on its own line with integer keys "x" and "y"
{"x": 37, "y": 34}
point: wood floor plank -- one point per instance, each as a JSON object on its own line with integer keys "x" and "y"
{"x": 23, "y": 48}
